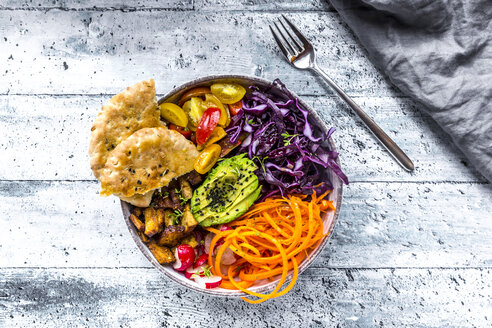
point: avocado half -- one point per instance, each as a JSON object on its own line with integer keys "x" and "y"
{"x": 227, "y": 192}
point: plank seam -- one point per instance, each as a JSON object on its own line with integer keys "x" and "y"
{"x": 97, "y": 9}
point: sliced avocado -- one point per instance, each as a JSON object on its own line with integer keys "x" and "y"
{"x": 234, "y": 208}
{"x": 227, "y": 192}
{"x": 233, "y": 212}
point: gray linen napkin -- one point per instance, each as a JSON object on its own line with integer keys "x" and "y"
{"x": 440, "y": 53}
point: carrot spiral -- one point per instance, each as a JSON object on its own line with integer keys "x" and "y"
{"x": 271, "y": 239}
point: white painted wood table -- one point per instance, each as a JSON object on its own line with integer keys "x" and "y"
{"x": 409, "y": 249}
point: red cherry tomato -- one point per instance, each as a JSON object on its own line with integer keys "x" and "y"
{"x": 235, "y": 107}
{"x": 185, "y": 132}
{"x": 207, "y": 124}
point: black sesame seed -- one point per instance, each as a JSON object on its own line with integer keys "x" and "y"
{"x": 139, "y": 182}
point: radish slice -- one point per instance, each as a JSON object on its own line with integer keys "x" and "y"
{"x": 185, "y": 257}
{"x": 208, "y": 282}
{"x": 201, "y": 260}
{"x": 200, "y": 270}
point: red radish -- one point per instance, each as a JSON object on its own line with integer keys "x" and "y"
{"x": 185, "y": 257}
{"x": 224, "y": 228}
{"x": 191, "y": 271}
{"x": 200, "y": 270}
{"x": 208, "y": 282}
{"x": 201, "y": 260}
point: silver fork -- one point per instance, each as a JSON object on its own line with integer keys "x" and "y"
{"x": 303, "y": 56}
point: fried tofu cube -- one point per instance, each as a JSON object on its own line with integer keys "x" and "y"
{"x": 171, "y": 235}
{"x": 168, "y": 218}
{"x": 154, "y": 221}
{"x": 139, "y": 225}
{"x": 189, "y": 240}
{"x": 188, "y": 220}
{"x": 162, "y": 254}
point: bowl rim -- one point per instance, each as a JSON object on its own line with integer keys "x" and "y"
{"x": 259, "y": 289}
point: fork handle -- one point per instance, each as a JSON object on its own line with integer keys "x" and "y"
{"x": 387, "y": 142}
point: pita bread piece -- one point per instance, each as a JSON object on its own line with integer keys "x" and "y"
{"x": 129, "y": 111}
{"x": 148, "y": 159}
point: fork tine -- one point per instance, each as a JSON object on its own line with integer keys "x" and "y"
{"x": 295, "y": 52}
{"x": 286, "y": 53}
{"x": 299, "y": 47}
{"x": 301, "y": 37}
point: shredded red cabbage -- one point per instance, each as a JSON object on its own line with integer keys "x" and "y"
{"x": 291, "y": 153}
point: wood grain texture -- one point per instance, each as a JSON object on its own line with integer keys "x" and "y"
{"x": 97, "y": 52}
{"x": 321, "y": 298}
{"x": 215, "y": 5}
{"x": 263, "y": 5}
{"x": 102, "y": 5}
{"x": 46, "y": 138}
{"x": 381, "y": 225}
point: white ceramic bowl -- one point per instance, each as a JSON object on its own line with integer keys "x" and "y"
{"x": 329, "y": 219}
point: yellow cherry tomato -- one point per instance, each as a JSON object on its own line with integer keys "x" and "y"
{"x": 207, "y": 158}
{"x": 173, "y": 114}
{"x": 228, "y": 93}
{"x": 193, "y": 109}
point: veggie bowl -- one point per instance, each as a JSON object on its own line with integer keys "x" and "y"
{"x": 267, "y": 189}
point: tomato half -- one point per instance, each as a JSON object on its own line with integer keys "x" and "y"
{"x": 212, "y": 101}
{"x": 236, "y": 107}
{"x": 228, "y": 93}
{"x": 207, "y": 159}
{"x": 173, "y": 114}
{"x": 207, "y": 124}
{"x": 184, "y": 131}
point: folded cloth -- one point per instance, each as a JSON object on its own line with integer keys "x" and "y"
{"x": 439, "y": 53}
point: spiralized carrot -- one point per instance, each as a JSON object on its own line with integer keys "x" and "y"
{"x": 271, "y": 239}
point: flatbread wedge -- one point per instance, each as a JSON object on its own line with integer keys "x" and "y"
{"x": 148, "y": 159}
{"x": 131, "y": 110}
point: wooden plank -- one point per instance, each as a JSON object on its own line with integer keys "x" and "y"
{"x": 322, "y": 298}
{"x": 47, "y": 139}
{"x": 263, "y": 5}
{"x": 381, "y": 225}
{"x": 96, "y": 4}
{"x": 215, "y": 5}
{"x": 102, "y": 52}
